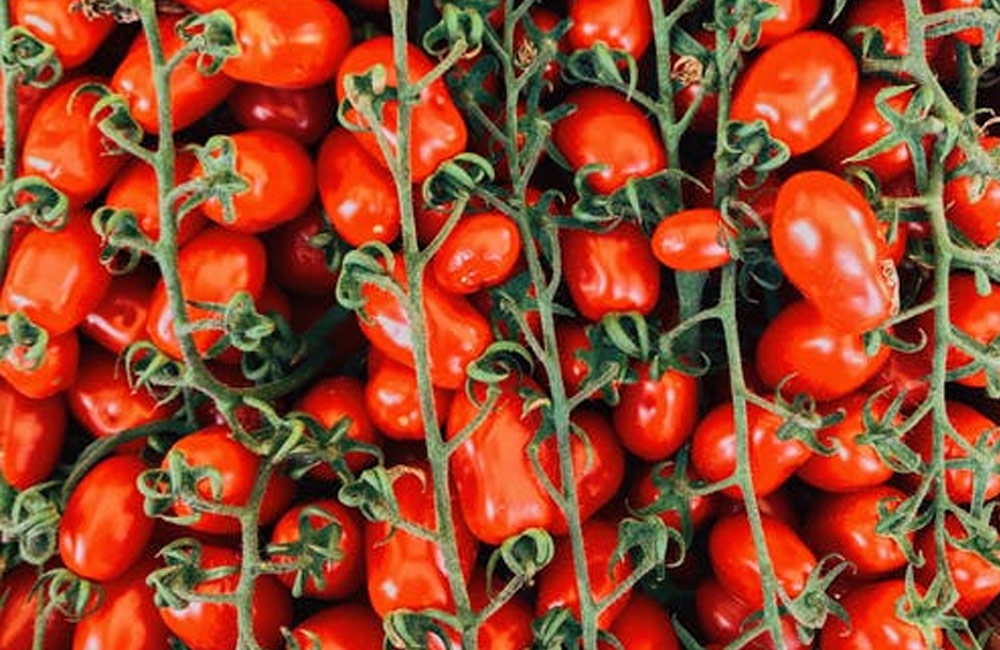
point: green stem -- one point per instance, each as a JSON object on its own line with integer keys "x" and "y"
{"x": 251, "y": 560}
{"x": 9, "y": 142}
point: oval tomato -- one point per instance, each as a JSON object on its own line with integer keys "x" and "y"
{"x": 31, "y": 437}
{"x": 874, "y": 622}
{"x": 393, "y": 401}
{"x": 724, "y": 617}
{"x": 792, "y": 16}
{"x": 18, "y": 605}
{"x": 342, "y": 627}
{"x": 509, "y": 628}
{"x": 119, "y": 320}
{"x": 656, "y": 416}
{"x": 888, "y": 18}
{"x": 126, "y": 619}
{"x": 692, "y": 240}
{"x": 305, "y": 114}
{"x": 526, "y": 48}
{"x": 975, "y": 211}
{"x": 976, "y": 578}
{"x": 74, "y": 35}
{"x": 643, "y": 625}
{"x": 625, "y": 25}
{"x": 333, "y": 399}
{"x": 54, "y": 373}
{"x": 645, "y": 492}
{"x": 295, "y": 263}
{"x": 480, "y": 252}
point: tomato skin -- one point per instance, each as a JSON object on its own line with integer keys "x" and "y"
{"x": 571, "y": 336}
{"x": 643, "y": 625}
{"x": 802, "y": 88}
{"x": 104, "y": 530}
{"x": 480, "y": 252}
{"x": 127, "y": 618}
{"x": 977, "y": 220}
{"x": 65, "y": 148}
{"x": 212, "y": 626}
{"x": 656, "y": 416}
{"x": 723, "y": 617}
{"x": 625, "y": 25}
{"x": 31, "y": 437}
{"x": 119, "y": 320}
{"x": 74, "y": 36}
{"x": 582, "y": 137}
{"x": 976, "y": 579}
{"x": 888, "y": 17}
{"x": 827, "y": 241}
{"x": 405, "y": 572}
{"x": 438, "y": 130}
{"x": 17, "y": 613}
{"x": 28, "y": 100}
{"x": 213, "y": 447}
{"x": 334, "y": 398}
{"x": 305, "y": 114}
{"x": 826, "y": 363}
{"x": 294, "y": 263}
{"x": 392, "y": 399}
{"x": 874, "y": 623}
{"x": 351, "y": 626}
{"x": 55, "y": 373}
{"x": 204, "y": 6}
{"x": 610, "y": 272}
{"x": 509, "y": 628}
{"x": 357, "y": 192}
{"x": 691, "y": 240}
{"x": 644, "y": 492}
{"x": 793, "y": 16}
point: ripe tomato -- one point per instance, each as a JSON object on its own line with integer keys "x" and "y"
{"x": 406, "y": 572}
{"x": 610, "y": 272}
{"x": 55, "y": 372}
{"x": 820, "y": 360}
{"x": 66, "y": 148}
{"x": 350, "y": 626}
{"x": 888, "y": 17}
{"x": 873, "y": 621}
{"x": 656, "y": 416}
{"x": 724, "y": 617}
{"x": 341, "y": 577}
{"x": 802, "y": 88}
{"x": 204, "y": 6}
{"x": 976, "y": 579}
{"x": 74, "y": 35}
{"x": 18, "y": 604}
{"x": 480, "y": 252}
{"x": 772, "y": 461}
{"x": 625, "y": 25}
{"x": 28, "y": 99}
{"x": 526, "y": 49}
{"x": 127, "y": 618}
{"x": 692, "y": 240}
{"x": 392, "y": 399}
{"x": 793, "y": 16}
{"x": 645, "y": 492}
{"x": 643, "y": 625}
{"x": 687, "y": 88}
{"x": 438, "y": 131}
{"x": 509, "y": 628}
{"x": 305, "y": 114}
{"x": 734, "y": 557}
{"x": 333, "y": 399}
{"x": 119, "y": 320}
{"x": 572, "y": 338}
{"x": 104, "y": 529}
{"x": 213, "y": 448}
{"x": 827, "y": 240}
{"x": 213, "y": 267}
{"x": 295, "y": 263}
{"x": 31, "y": 437}
{"x": 582, "y": 137}
{"x": 978, "y": 219}
{"x": 358, "y": 193}
{"x": 212, "y": 626}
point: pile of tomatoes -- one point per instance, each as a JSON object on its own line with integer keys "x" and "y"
{"x": 689, "y": 305}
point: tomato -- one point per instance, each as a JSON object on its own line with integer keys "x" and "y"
{"x": 406, "y": 572}
{"x": 772, "y": 461}
{"x": 874, "y": 622}
{"x": 509, "y": 628}
{"x": 820, "y": 360}
{"x": 56, "y": 278}
{"x": 332, "y": 399}
{"x": 972, "y": 35}
{"x": 971, "y": 425}
{"x": 573, "y": 341}
{"x": 294, "y": 262}
{"x": 793, "y": 16}
{"x": 456, "y": 333}
{"x": 526, "y": 49}
{"x": 582, "y": 137}
{"x": 213, "y": 267}
{"x": 802, "y": 88}
{"x": 74, "y": 35}
{"x": 104, "y": 529}
{"x": 18, "y": 605}
{"x": 31, "y": 437}
{"x": 692, "y": 240}
{"x": 212, "y": 626}
{"x": 66, "y": 148}
{"x": 643, "y": 625}
{"x": 852, "y": 465}
{"x": 480, "y": 252}
{"x": 358, "y": 193}
{"x": 645, "y": 492}
{"x": 827, "y": 241}
{"x": 734, "y": 557}
{"x": 976, "y": 579}
{"x": 888, "y": 18}
{"x": 305, "y": 114}
{"x": 119, "y": 320}
{"x": 213, "y": 448}
{"x": 28, "y": 99}
{"x": 625, "y": 25}
{"x": 341, "y": 577}
{"x": 904, "y": 373}
{"x": 656, "y": 416}
{"x": 724, "y": 617}
{"x": 393, "y": 401}
{"x": 204, "y": 6}
{"x": 438, "y": 131}
{"x": 55, "y": 372}
{"x": 342, "y": 627}
{"x": 610, "y": 272}
{"x": 127, "y": 618}
{"x": 974, "y": 214}
{"x": 688, "y": 87}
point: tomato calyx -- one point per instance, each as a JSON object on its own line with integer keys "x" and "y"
{"x": 315, "y": 547}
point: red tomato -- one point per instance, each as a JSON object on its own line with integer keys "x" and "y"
{"x": 976, "y": 579}
{"x": 582, "y": 137}
{"x": 342, "y": 627}
{"x": 104, "y": 530}
{"x": 643, "y": 625}
{"x": 802, "y": 88}
{"x": 392, "y": 399}
{"x": 214, "y": 448}
{"x": 480, "y": 252}
{"x": 18, "y": 604}
{"x": 295, "y": 263}
{"x": 873, "y": 621}
{"x": 978, "y": 219}
{"x": 31, "y": 437}
{"x": 644, "y": 493}
{"x": 74, "y": 35}
{"x": 305, "y": 114}
{"x": 28, "y": 100}
{"x": 827, "y": 240}
{"x": 656, "y": 416}
{"x": 888, "y": 17}
{"x": 688, "y": 87}
{"x": 734, "y": 557}
{"x": 212, "y": 626}
{"x": 573, "y": 341}
{"x": 772, "y": 461}
{"x": 723, "y": 617}
{"x": 509, "y": 628}
{"x": 692, "y": 240}
{"x": 55, "y": 373}
{"x": 66, "y": 148}
{"x": 438, "y": 131}
{"x": 358, "y": 193}
{"x": 610, "y": 272}
{"x": 204, "y": 6}
{"x": 793, "y": 16}
{"x": 406, "y": 572}
{"x": 526, "y": 49}
{"x": 904, "y": 372}
{"x": 333, "y": 399}
{"x": 625, "y": 25}
{"x": 127, "y": 618}
{"x": 119, "y": 320}
{"x": 973, "y": 35}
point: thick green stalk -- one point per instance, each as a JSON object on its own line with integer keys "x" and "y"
{"x": 10, "y": 120}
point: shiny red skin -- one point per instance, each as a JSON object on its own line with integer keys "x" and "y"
{"x": 654, "y": 417}
{"x": 582, "y": 137}
{"x": 65, "y": 147}
{"x": 509, "y": 628}
{"x": 822, "y": 361}
{"x": 127, "y": 618}
{"x": 802, "y": 88}
{"x": 907, "y": 373}
{"x": 392, "y": 399}
{"x": 610, "y": 272}
{"x": 625, "y": 25}
{"x": 104, "y": 530}
{"x": 31, "y": 437}
{"x": 793, "y": 16}
{"x": 692, "y": 240}
{"x": 828, "y": 242}
{"x": 212, "y": 626}
{"x": 406, "y": 572}
{"x": 874, "y": 623}
{"x": 978, "y": 220}
{"x": 889, "y": 18}
{"x": 351, "y": 626}
{"x": 55, "y": 373}
{"x": 295, "y": 264}
{"x": 571, "y": 336}
{"x": 976, "y": 579}
{"x": 706, "y": 115}
{"x": 438, "y": 130}
{"x": 213, "y": 447}
{"x": 17, "y": 613}
{"x": 334, "y": 398}
{"x": 56, "y": 278}
{"x": 305, "y": 114}
{"x": 74, "y": 36}
{"x": 734, "y": 557}
{"x": 342, "y": 577}
{"x": 288, "y": 48}
{"x": 480, "y": 252}
{"x": 28, "y": 99}
{"x": 357, "y": 192}
{"x": 119, "y": 320}
{"x": 723, "y": 617}
{"x": 204, "y": 6}
{"x": 644, "y": 493}
{"x": 772, "y": 461}
{"x": 643, "y": 625}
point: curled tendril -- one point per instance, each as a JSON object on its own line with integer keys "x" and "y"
{"x": 371, "y": 264}
{"x": 123, "y": 241}
{"x": 22, "y": 343}
{"x": 524, "y": 555}
{"x": 365, "y": 93}
{"x": 213, "y": 36}
{"x": 458, "y": 24}
{"x": 113, "y": 117}
{"x": 33, "y": 522}
{"x": 147, "y": 367}
{"x": 174, "y": 585}
{"x": 219, "y": 180}
{"x": 31, "y": 61}
{"x": 70, "y": 594}
{"x": 197, "y": 488}
{"x": 317, "y": 546}
{"x": 34, "y": 199}
{"x": 456, "y": 178}
{"x": 746, "y": 17}
{"x": 602, "y": 66}
{"x": 501, "y": 360}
